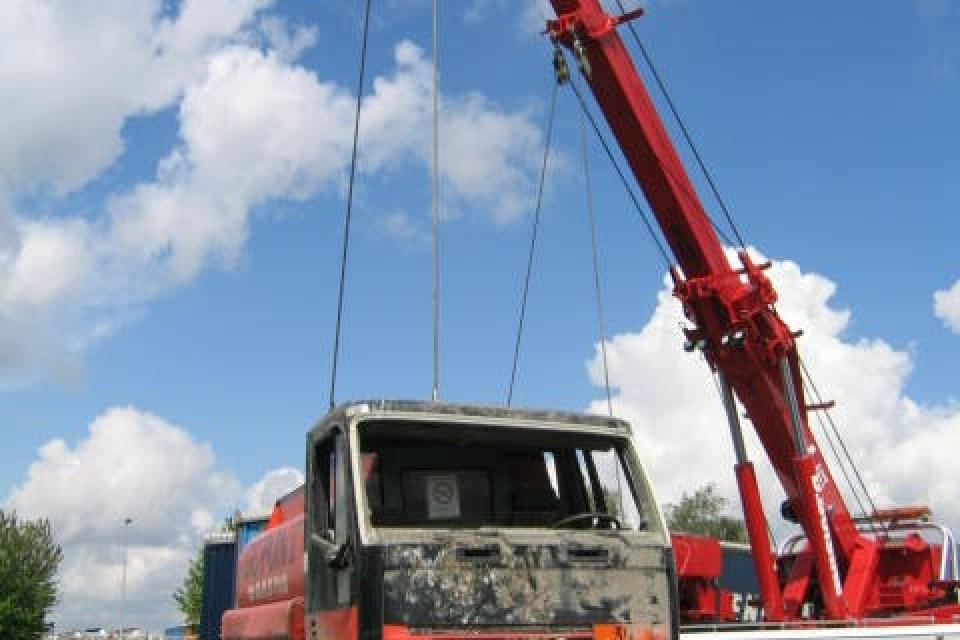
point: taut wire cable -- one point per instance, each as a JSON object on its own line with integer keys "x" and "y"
{"x": 533, "y": 244}
{"x": 349, "y": 213}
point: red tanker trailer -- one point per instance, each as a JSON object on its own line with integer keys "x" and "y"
{"x": 270, "y": 587}
{"x": 430, "y": 520}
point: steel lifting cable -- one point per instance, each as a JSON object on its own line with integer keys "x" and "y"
{"x": 349, "y": 213}
{"x": 623, "y": 178}
{"x": 626, "y": 183}
{"x": 843, "y": 469}
{"x": 816, "y": 391}
{"x": 585, "y": 112}
{"x": 843, "y": 445}
{"x": 601, "y": 323}
{"x": 839, "y": 461}
{"x": 683, "y": 128}
{"x": 688, "y": 137}
{"x": 533, "y": 243}
{"x": 811, "y": 389}
{"x": 435, "y": 395}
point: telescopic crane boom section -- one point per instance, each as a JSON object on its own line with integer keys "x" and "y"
{"x": 844, "y": 571}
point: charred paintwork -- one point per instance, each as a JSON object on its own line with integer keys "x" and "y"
{"x": 574, "y": 580}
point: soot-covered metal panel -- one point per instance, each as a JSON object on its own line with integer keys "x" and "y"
{"x": 483, "y": 583}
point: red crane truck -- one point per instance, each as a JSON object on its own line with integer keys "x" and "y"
{"x": 884, "y": 564}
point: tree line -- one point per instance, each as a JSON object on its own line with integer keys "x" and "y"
{"x": 29, "y": 560}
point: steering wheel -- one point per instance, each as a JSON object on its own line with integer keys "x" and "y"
{"x": 595, "y": 515}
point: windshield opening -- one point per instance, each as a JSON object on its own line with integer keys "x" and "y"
{"x": 450, "y": 476}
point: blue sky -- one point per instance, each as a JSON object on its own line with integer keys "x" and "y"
{"x": 831, "y": 128}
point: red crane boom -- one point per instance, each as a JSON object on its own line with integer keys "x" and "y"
{"x": 845, "y": 571}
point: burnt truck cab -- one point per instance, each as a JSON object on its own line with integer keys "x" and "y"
{"x": 435, "y": 520}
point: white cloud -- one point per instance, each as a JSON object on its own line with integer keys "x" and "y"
{"x": 71, "y": 76}
{"x": 258, "y": 130}
{"x": 946, "y": 306}
{"x": 400, "y": 226}
{"x": 533, "y": 15}
{"x": 71, "y": 73}
{"x": 129, "y": 464}
{"x": 133, "y": 464}
{"x": 902, "y": 448}
{"x": 489, "y": 157}
{"x": 254, "y": 128}
{"x": 289, "y": 41}
{"x": 53, "y": 260}
{"x": 274, "y": 485}
{"x": 477, "y": 10}
{"x": 940, "y": 19}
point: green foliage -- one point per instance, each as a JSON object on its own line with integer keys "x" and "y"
{"x": 188, "y": 597}
{"x": 29, "y": 559}
{"x": 702, "y": 513}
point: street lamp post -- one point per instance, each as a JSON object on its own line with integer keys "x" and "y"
{"x": 123, "y": 583}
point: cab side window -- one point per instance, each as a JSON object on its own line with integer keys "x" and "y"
{"x": 330, "y": 562}
{"x": 325, "y": 489}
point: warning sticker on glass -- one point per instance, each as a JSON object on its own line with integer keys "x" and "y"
{"x": 443, "y": 497}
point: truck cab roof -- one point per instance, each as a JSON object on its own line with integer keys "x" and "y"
{"x": 467, "y": 414}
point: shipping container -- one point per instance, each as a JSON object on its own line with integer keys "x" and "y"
{"x": 738, "y": 574}
{"x": 247, "y": 529}
{"x": 739, "y": 578}
{"x": 219, "y": 582}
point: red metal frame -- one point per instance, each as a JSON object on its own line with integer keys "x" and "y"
{"x": 699, "y": 562}
{"x": 743, "y": 337}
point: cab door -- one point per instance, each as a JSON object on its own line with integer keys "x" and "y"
{"x": 331, "y": 551}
